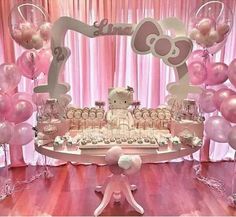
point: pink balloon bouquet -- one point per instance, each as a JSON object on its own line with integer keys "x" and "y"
{"x": 29, "y": 26}
{"x": 212, "y": 23}
{"x": 217, "y": 129}
{"x": 9, "y": 77}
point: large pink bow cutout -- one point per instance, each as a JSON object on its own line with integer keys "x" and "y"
{"x": 148, "y": 37}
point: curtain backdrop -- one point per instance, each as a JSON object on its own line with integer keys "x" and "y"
{"x": 99, "y": 63}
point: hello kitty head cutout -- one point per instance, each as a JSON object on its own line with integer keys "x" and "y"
{"x": 149, "y": 36}
{"x": 120, "y": 97}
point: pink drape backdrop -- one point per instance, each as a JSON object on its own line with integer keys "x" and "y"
{"x": 97, "y": 64}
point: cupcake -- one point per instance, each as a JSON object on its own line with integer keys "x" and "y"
{"x": 58, "y": 144}
{"x": 175, "y": 143}
{"x": 140, "y": 141}
{"x": 124, "y": 140}
{"x": 71, "y": 144}
{"x": 118, "y": 141}
{"x": 162, "y": 144}
{"x": 130, "y": 141}
{"x": 83, "y": 142}
{"x": 106, "y": 141}
{"x": 153, "y": 141}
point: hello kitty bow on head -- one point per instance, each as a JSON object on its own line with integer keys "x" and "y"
{"x": 148, "y": 37}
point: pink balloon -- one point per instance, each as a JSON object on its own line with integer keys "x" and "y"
{"x": 228, "y": 109}
{"x": 217, "y": 73}
{"x": 6, "y": 131}
{"x": 37, "y": 41}
{"x": 194, "y": 32}
{"x": 5, "y": 103}
{"x": 217, "y": 129}
{"x": 206, "y": 102}
{"x": 27, "y": 64}
{"x": 9, "y": 77}
{"x": 24, "y": 96}
{"x": 197, "y": 73}
{"x": 45, "y": 59}
{"x": 204, "y": 25}
{"x": 232, "y": 72}
{"x": 23, "y": 134}
{"x": 45, "y": 30}
{"x": 232, "y": 138}
{"x": 220, "y": 95}
{"x": 21, "y": 111}
{"x": 199, "y": 56}
{"x": 223, "y": 28}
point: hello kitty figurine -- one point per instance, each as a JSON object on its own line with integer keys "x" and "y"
{"x": 118, "y": 115}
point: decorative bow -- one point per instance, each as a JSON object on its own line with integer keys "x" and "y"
{"x": 148, "y": 37}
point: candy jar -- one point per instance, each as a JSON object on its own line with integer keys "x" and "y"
{"x": 153, "y": 115}
{"x": 77, "y": 117}
{"x": 70, "y": 115}
{"x": 161, "y": 117}
{"x": 100, "y": 117}
{"x": 137, "y": 117}
{"x": 84, "y": 115}
{"x": 145, "y": 117}
{"x": 92, "y": 116}
{"x": 167, "y": 120}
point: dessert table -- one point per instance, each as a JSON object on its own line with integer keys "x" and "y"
{"x": 115, "y": 184}
{"x": 78, "y": 156}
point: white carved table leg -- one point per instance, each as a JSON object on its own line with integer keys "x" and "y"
{"x": 130, "y": 198}
{"x": 105, "y": 200}
{"x": 114, "y": 185}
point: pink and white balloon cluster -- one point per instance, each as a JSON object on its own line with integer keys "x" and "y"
{"x": 120, "y": 163}
{"x": 17, "y": 108}
{"x": 14, "y": 109}
{"x": 202, "y": 71}
{"x": 30, "y": 36}
{"x": 29, "y": 25}
{"x": 207, "y": 32}
{"x": 32, "y": 63}
{"x": 219, "y": 128}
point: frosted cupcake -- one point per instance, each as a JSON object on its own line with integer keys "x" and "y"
{"x": 71, "y": 144}
{"x": 58, "y": 144}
